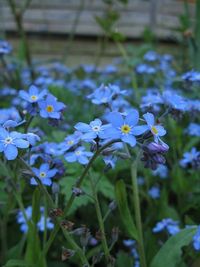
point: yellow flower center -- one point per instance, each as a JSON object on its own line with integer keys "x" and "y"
{"x": 154, "y": 130}
{"x": 125, "y": 128}
{"x": 42, "y": 174}
{"x": 49, "y": 108}
{"x": 70, "y": 142}
{"x": 78, "y": 152}
{"x": 33, "y": 97}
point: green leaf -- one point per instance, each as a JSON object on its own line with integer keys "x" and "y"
{"x": 124, "y": 259}
{"x": 170, "y": 252}
{"x": 125, "y": 214}
{"x": 19, "y": 263}
{"x": 33, "y": 242}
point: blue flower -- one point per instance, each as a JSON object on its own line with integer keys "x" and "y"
{"x": 79, "y": 155}
{"x": 156, "y": 130}
{"x": 44, "y": 173}
{"x": 122, "y": 128}
{"x": 32, "y": 138}
{"x": 154, "y": 192}
{"x": 102, "y": 95}
{"x": 175, "y": 101}
{"x": 71, "y": 140}
{"x": 161, "y": 171}
{"x": 21, "y": 220}
{"x": 167, "y": 224}
{"x": 191, "y": 157}
{"x": 33, "y": 95}
{"x": 9, "y": 142}
{"x": 193, "y": 129}
{"x": 43, "y": 221}
{"x": 191, "y": 76}
{"x": 91, "y": 131}
{"x": 5, "y": 47}
{"x": 196, "y": 239}
{"x": 51, "y": 108}
{"x": 151, "y": 56}
{"x": 106, "y": 94}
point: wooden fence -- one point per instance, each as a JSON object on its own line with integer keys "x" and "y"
{"x": 59, "y": 16}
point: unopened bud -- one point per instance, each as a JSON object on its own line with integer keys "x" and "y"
{"x": 67, "y": 253}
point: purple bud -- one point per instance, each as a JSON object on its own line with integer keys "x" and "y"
{"x": 157, "y": 148}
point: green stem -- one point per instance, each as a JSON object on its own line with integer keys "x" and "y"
{"x": 71, "y": 200}
{"x": 76, "y": 248}
{"x": 52, "y": 205}
{"x": 136, "y": 202}
{"x": 100, "y": 221}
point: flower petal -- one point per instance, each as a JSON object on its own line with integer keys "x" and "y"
{"x": 11, "y": 152}
{"x": 115, "y": 118}
{"x": 130, "y": 139}
{"x": 21, "y": 143}
{"x": 132, "y": 118}
{"x": 149, "y": 118}
{"x": 138, "y": 130}
{"x": 82, "y": 127}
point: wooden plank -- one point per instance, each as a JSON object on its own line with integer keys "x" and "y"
{"x": 134, "y": 17}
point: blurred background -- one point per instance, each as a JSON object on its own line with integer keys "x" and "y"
{"x": 87, "y": 31}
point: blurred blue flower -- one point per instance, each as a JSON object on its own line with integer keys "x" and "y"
{"x": 44, "y": 222}
{"x": 161, "y": 171}
{"x": 192, "y": 157}
{"x": 193, "y": 129}
{"x": 151, "y": 56}
{"x": 71, "y": 140}
{"x": 167, "y": 224}
{"x": 175, "y": 101}
{"x": 33, "y": 95}
{"x": 44, "y": 173}
{"x": 196, "y": 240}
{"x": 79, "y": 155}
{"x": 9, "y": 142}
{"x": 40, "y": 224}
{"x": 122, "y": 127}
{"x": 154, "y": 192}
{"x": 51, "y": 108}
{"x": 5, "y": 47}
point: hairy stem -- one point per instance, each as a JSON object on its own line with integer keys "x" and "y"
{"x": 136, "y": 202}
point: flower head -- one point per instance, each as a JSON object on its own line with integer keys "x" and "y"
{"x": 33, "y": 95}
{"x": 167, "y": 224}
{"x": 51, "y": 108}
{"x": 156, "y": 129}
{"x": 122, "y": 127}
{"x": 79, "y": 155}
{"x": 10, "y": 142}
{"x": 91, "y": 131}
{"x": 44, "y": 173}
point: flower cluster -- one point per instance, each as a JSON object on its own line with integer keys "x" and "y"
{"x": 41, "y": 224}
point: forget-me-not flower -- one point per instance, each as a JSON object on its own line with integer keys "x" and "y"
{"x": 196, "y": 240}
{"x": 91, "y": 131}
{"x": 50, "y": 107}
{"x": 122, "y": 127}
{"x": 156, "y": 129}
{"x": 79, "y": 155}
{"x": 33, "y": 95}
{"x": 167, "y": 224}
{"x": 44, "y": 173}
{"x": 10, "y": 142}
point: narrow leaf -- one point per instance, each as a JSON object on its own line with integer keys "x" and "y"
{"x": 125, "y": 214}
